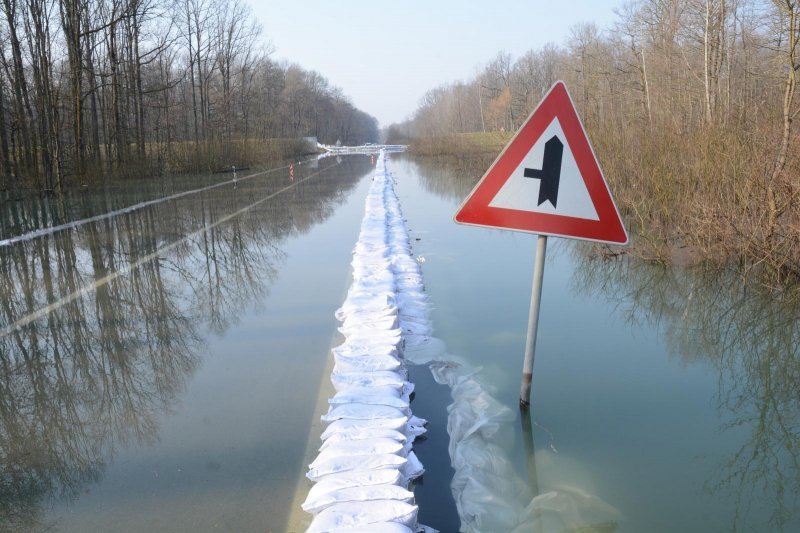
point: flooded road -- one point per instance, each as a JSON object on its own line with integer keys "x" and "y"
{"x": 177, "y": 395}
{"x": 159, "y": 370}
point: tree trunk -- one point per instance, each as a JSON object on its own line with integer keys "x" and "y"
{"x": 71, "y": 26}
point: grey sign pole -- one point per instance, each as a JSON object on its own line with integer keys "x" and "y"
{"x": 533, "y": 324}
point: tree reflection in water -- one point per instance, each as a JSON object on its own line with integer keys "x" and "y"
{"x": 451, "y": 177}
{"x": 98, "y": 371}
{"x": 752, "y": 339}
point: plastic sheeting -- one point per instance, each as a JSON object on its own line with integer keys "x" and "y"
{"x": 366, "y": 463}
{"x": 489, "y": 493}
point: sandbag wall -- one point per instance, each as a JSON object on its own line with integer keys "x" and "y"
{"x": 366, "y": 463}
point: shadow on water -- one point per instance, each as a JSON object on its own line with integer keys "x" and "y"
{"x": 437, "y": 508}
{"x": 110, "y": 355}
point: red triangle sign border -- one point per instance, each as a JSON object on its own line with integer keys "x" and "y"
{"x": 477, "y": 211}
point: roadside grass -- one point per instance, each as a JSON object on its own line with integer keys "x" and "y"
{"x": 168, "y": 158}
{"x": 460, "y": 143}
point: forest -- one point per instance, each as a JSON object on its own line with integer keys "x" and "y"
{"x": 689, "y": 105}
{"x": 92, "y": 89}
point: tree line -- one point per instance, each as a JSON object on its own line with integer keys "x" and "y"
{"x": 690, "y": 106}
{"x": 94, "y": 88}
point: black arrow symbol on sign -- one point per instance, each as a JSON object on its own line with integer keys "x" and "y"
{"x": 550, "y": 174}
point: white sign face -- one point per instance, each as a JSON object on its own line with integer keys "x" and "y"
{"x": 522, "y": 193}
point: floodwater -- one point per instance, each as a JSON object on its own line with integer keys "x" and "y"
{"x": 663, "y": 399}
{"x": 176, "y": 394}
{"x": 159, "y": 370}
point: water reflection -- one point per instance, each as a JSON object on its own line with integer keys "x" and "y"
{"x": 451, "y": 177}
{"x": 752, "y": 340}
{"x": 129, "y": 302}
{"x": 747, "y": 340}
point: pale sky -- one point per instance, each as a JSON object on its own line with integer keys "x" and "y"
{"x": 386, "y": 55}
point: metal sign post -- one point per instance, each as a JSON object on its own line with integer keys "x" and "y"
{"x": 533, "y": 324}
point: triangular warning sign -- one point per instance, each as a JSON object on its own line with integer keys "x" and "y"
{"x": 547, "y": 180}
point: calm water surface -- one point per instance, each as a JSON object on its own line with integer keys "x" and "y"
{"x": 159, "y": 370}
{"x": 172, "y": 383}
{"x": 671, "y": 396}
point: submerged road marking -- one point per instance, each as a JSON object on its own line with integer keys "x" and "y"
{"x": 125, "y": 210}
{"x": 24, "y": 321}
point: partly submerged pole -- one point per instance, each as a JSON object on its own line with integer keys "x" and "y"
{"x": 533, "y": 324}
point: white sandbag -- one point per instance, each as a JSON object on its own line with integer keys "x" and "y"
{"x": 366, "y": 364}
{"x": 361, "y": 327}
{"x": 379, "y": 390}
{"x": 370, "y": 321}
{"x": 406, "y": 299}
{"x": 417, "y": 309}
{"x": 357, "y": 447}
{"x": 356, "y": 462}
{"x": 404, "y": 263}
{"x": 365, "y": 247}
{"x": 364, "y": 434}
{"x": 348, "y": 515}
{"x": 416, "y": 316}
{"x": 367, "y": 302}
{"x": 370, "y": 314}
{"x": 386, "y": 527}
{"x": 364, "y": 264}
{"x": 355, "y": 427}
{"x": 355, "y": 478}
{"x": 371, "y": 428}
{"x": 366, "y": 349}
{"x": 373, "y": 285}
{"x": 413, "y": 467}
{"x": 362, "y": 411}
{"x": 415, "y": 328}
{"x": 416, "y": 428}
{"x": 387, "y": 336}
{"x": 370, "y": 395}
{"x": 358, "y": 494}
{"x": 372, "y": 345}
{"x": 346, "y": 380}
{"x": 412, "y": 280}
{"x": 359, "y": 290}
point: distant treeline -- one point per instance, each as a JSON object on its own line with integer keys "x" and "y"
{"x": 689, "y": 105}
{"x": 96, "y": 87}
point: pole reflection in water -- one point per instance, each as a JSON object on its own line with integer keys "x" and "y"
{"x": 104, "y": 326}
{"x": 530, "y": 453}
